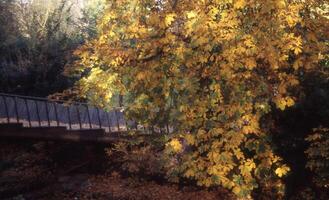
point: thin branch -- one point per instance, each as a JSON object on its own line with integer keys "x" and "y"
{"x": 174, "y": 4}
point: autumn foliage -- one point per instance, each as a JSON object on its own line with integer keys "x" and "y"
{"x": 212, "y": 69}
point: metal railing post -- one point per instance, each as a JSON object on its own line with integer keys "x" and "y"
{"x": 125, "y": 122}
{"x": 79, "y": 118}
{"x": 38, "y": 114}
{"x": 47, "y": 113}
{"x": 56, "y": 113}
{"x": 16, "y": 109}
{"x": 88, "y": 115}
{"x": 69, "y": 117}
{"x": 6, "y": 108}
{"x": 99, "y": 118}
{"x": 28, "y": 112}
{"x": 108, "y": 121}
{"x": 117, "y": 119}
{"x": 136, "y": 125}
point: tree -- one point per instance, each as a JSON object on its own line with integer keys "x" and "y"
{"x": 92, "y": 10}
{"x": 211, "y": 69}
{"x": 37, "y": 38}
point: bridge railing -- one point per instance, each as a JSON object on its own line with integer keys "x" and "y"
{"x": 42, "y": 112}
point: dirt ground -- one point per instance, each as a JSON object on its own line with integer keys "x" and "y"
{"x": 51, "y": 171}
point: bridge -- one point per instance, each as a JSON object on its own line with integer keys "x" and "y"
{"x": 41, "y": 118}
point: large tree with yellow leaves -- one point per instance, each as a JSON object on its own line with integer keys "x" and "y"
{"x": 212, "y": 69}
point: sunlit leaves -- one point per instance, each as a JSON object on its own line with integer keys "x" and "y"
{"x": 169, "y": 19}
{"x": 175, "y": 145}
{"x": 250, "y": 63}
{"x": 191, "y": 14}
{"x": 281, "y": 171}
{"x": 190, "y": 139}
{"x": 240, "y": 4}
{"x": 282, "y": 103}
{"x": 98, "y": 87}
{"x": 211, "y": 69}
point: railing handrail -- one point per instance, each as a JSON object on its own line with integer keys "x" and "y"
{"x": 116, "y": 112}
{"x": 53, "y": 100}
{"x": 69, "y": 106}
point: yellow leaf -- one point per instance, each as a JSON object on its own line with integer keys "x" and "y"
{"x": 297, "y": 64}
{"x": 239, "y": 155}
{"x": 250, "y": 63}
{"x": 281, "y": 3}
{"x": 297, "y": 50}
{"x": 281, "y": 171}
{"x": 240, "y": 4}
{"x": 236, "y": 190}
{"x": 290, "y": 102}
{"x": 190, "y": 139}
{"x": 169, "y": 19}
{"x": 191, "y": 14}
{"x": 176, "y": 145}
{"x": 141, "y": 76}
{"x": 281, "y": 104}
{"x": 189, "y": 173}
{"x": 291, "y": 22}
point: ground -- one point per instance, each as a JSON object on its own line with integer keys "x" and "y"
{"x": 48, "y": 170}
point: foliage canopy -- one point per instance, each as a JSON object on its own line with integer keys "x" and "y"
{"x": 212, "y": 69}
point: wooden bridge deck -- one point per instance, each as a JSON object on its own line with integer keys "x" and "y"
{"x": 17, "y": 131}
